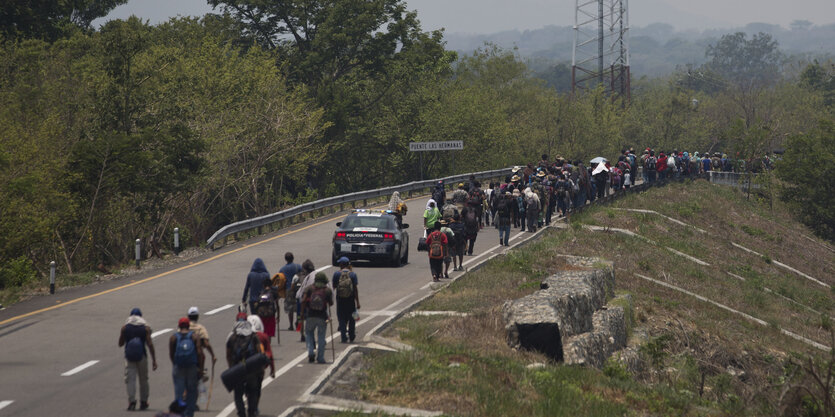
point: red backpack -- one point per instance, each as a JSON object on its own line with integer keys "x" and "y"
{"x": 436, "y": 248}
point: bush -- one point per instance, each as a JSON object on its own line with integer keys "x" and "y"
{"x": 16, "y": 272}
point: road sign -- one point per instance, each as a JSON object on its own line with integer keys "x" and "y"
{"x": 452, "y": 145}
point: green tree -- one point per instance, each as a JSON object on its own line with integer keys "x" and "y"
{"x": 809, "y": 174}
{"x": 756, "y": 62}
{"x": 50, "y": 20}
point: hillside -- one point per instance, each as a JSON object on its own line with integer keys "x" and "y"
{"x": 656, "y": 49}
{"x": 697, "y": 357}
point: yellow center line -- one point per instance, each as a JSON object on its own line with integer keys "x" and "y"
{"x": 182, "y": 268}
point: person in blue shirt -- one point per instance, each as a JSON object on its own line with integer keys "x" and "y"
{"x": 347, "y": 299}
{"x": 290, "y": 270}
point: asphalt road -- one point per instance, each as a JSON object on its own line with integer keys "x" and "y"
{"x": 65, "y": 361}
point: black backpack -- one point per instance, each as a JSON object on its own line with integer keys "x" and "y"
{"x": 503, "y": 207}
{"x": 459, "y": 233}
{"x": 243, "y": 347}
{"x": 266, "y": 304}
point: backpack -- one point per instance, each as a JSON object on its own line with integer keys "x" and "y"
{"x": 185, "y": 353}
{"x": 279, "y": 283}
{"x": 344, "y": 286}
{"x": 296, "y": 285}
{"x": 243, "y": 347}
{"x": 266, "y": 304}
{"x": 439, "y": 196}
{"x": 458, "y": 233}
{"x": 475, "y": 198}
{"x": 436, "y": 248}
{"x": 135, "y": 349}
{"x": 651, "y": 162}
{"x": 318, "y": 299}
{"x": 503, "y": 208}
{"x": 471, "y": 222}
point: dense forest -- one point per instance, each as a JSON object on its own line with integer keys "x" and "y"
{"x": 129, "y": 130}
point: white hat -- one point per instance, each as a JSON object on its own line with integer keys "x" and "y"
{"x": 192, "y": 311}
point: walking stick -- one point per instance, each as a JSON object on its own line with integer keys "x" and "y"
{"x": 333, "y": 345}
{"x": 211, "y": 386}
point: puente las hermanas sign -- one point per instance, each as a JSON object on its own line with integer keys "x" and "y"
{"x": 453, "y": 145}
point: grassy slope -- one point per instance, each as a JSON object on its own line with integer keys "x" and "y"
{"x": 700, "y": 360}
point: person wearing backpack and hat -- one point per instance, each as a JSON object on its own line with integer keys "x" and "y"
{"x": 200, "y": 331}
{"x": 186, "y": 354}
{"x": 347, "y": 299}
{"x": 242, "y": 344}
{"x": 437, "y": 243}
{"x": 315, "y": 303}
{"x": 135, "y": 336}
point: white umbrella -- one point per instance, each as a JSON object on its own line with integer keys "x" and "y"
{"x": 598, "y": 160}
{"x": 600, "y": 168}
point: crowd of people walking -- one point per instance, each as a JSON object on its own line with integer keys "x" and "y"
{"x": 527, "y": 200}
{"x": 307, "y": 297}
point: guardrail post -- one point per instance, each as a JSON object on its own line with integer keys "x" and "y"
{"x": 176, "y": 241}
{"x": 138, "y": 252}
{"x": 52, "y": 277}
{"x": 259, "y": 229}
{"x": 365, "y": 202}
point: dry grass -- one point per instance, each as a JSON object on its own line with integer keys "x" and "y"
{"x": 701, "y": 360}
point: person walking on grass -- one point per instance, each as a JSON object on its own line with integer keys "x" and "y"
{"x": 186, "y": 354}
{"x": 315, "y": 303}
{"x": 135, "y": 336}
{"x": 347, "y": 299}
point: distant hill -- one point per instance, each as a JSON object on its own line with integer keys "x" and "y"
{"x": 656, "y": 49}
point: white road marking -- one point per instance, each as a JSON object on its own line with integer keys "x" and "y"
{"x": 322, "y": 268}
{"x": 487, "y": 252}
{"x": 4, "y": 404}
{"x": 219, "y": 309}
{"x": 160, "y": 332}
{"x": 80, "y": 368}
{"x": 295, "y": 361}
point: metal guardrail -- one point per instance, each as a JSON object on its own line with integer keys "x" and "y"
{"x": 258, "y": 222}
{"x": 734, "y": 179}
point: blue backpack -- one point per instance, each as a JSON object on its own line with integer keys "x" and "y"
{"x": 135, "y": 349}
{"x": 185, "y": 353}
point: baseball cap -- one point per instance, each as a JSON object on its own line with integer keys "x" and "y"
{"x": 184, "y": 323}
{"x": 193, "y": 311}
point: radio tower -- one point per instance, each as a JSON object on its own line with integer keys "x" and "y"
{"x": 601, "y": 47}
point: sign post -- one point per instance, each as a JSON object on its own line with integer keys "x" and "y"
{"x": 452, "y": 145}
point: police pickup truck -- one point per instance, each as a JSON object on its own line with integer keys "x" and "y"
{"x": 372, "y": 236}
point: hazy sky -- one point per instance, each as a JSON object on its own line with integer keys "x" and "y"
{"x": 488, "y": 16}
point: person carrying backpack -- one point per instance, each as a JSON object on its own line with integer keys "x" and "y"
{"x": 437, "y": 243}
{"x": 186, "y": 354}
{"x": 267, "y": 308}
{"x": 347, "y": 299}
{"x": 439, "y": 194}
{"x": 241, "y": 345}
{"x": 456, "y": 247}
{"x": 255, "y": 280}
{"x": 450, "y": 236}
{"x": 315, "y": 303}
{"x": 471, "y": 227}
{"x": 290, "y": 270}
{"x": 503, "y": 211}
{"x": 135, "y": 336}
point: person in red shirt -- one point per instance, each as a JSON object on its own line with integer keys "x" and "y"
{"x": 437, "y": 252}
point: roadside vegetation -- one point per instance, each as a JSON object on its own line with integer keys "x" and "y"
{"x": 696, "y": 359}
{"x": 129, "y": 130}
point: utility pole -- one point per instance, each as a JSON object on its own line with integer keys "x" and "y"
{"x": 600, "y": 56}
